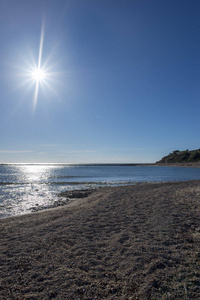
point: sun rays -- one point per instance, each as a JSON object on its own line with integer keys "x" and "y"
{"x": 38, "y": 73}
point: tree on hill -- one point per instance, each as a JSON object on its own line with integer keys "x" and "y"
{"x": 178, "y": 156}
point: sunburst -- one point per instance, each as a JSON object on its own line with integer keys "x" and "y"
{"x": 38, "y": 73}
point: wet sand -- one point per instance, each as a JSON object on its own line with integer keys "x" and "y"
{"x": 131, "y": 242}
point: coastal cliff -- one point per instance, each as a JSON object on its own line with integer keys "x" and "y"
{"x": 181, "y": 157}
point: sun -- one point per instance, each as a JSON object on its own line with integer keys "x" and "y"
{"x": 38, "y": 74}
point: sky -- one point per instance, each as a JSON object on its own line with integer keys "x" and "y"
{"x": 120, "y": 80}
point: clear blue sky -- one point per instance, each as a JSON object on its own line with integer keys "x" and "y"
{"x": 123, "y": 80}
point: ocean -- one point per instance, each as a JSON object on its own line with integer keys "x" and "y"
{"x": 25, "y": 188}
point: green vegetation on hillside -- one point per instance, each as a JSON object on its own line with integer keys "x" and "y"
{"x": 181, "y": 156}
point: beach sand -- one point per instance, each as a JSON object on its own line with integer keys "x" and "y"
{"x": 131, "y": 242}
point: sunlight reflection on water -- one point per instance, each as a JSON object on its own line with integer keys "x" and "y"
{"x": 35, "y": 173}
{"x": 30, "y": 190}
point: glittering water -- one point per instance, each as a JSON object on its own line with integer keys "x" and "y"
{"x": 24, "y": 188}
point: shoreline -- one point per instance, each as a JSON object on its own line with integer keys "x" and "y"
{"x": 140, "y": 241}
{"x": 55, "y": 201}
{"x": 186, "y": 165}
{"x": 65, "y": 198}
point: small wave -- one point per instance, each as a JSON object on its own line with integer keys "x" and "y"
{"x": 72, "y": 182}
{"x": 66, "y": 176}
{"x": 99, "y": 183}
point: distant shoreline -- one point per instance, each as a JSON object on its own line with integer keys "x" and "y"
{"x": 187, "y": 164}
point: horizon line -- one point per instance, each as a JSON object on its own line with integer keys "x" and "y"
{"x": 82, "y": 164}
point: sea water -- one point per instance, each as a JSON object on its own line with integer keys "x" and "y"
{"x": 27, "y": 188}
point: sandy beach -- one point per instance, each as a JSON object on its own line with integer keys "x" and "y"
{"x": 132, "y": 242}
